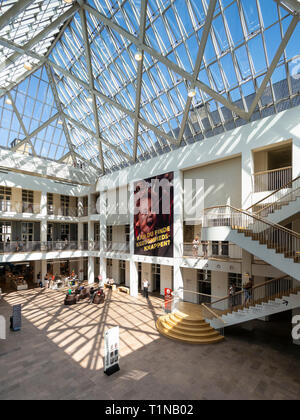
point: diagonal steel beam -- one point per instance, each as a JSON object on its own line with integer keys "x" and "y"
{"x": 164, "y": 60}
{"x": 100, "y": 95}
{"x": 41, "y": 127}
{"x": 14, "y": 11}
{"x": 144, "y": 4}
{"x": 273, "y": 65}
{"x": 88, "y": 60}
{"x": 16, "y": 111}
{"x": 60, "y": 110}
{"x": 39, "y": 37}
{"x": 205, "y": 33}
{"x": 87, "y": 130}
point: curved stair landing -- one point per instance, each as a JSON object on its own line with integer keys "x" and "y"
{"x": 187, "y": 328}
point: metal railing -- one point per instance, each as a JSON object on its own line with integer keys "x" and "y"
{"x": 19, "y": 246}
{"x": 254, "y": 295}
{"x": 283, "y": 240}
{"x": 272, "y": 180}
{"x": 19, "y": 207}
{"x": 62, "y": 211}
{"x": 60, "y": 245}
{"x": 279, "y": 198}
{"x": 117, "y": 246}
{"x": 211, "y": 249}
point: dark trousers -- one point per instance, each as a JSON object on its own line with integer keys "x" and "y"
{"x": 146, "y": 292}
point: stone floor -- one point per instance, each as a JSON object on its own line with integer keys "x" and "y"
{"x": 58, "y": 355}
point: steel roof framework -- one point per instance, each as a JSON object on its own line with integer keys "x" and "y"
{"x": 113, "y": 110}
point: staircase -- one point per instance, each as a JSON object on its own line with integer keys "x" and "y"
{"x": 187, "y": 328}
{"x": 281, "y": 204}
{"x": 276, "y": 245}
{"x": 274, "y": 296}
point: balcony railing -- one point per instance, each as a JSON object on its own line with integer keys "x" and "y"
{"x": 62, "y": 211}
{"x": 211, "y": 250}
{"x": 117, "y": 246}
{"x": 60, "y": 246}
{"x": 19, "y": 207}
{"x": 272, "y": 180}
{"x": 19, "y": 246}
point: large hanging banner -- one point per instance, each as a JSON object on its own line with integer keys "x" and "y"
{"x": 153, "y": 216}
{"x": 111, "y": 351}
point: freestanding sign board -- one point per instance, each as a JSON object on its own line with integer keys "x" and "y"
{"x": 168, "y": 299}
{"x": 2, "y": 328}
{"x": 15, "y": 320}
{"x": 111, "y": 355}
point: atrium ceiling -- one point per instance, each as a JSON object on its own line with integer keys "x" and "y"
{"x": 108, "y": 83}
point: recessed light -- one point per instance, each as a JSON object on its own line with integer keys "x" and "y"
{"x": 27, "y": 66}
{"x": 8, "y": 101}
{"x": 68, "y": 1}
{"x": 191, "y": 93}
{"x": 138, "y": 56}
{"x": 60, "y": 122}
{"x": 90, "y": 99}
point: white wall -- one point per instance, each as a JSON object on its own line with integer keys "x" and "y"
{"x": 166, "y": 278}
{"x": 190, "y": 284}
{"x": 222, "y": 182}
{"x": 219, "y": 287}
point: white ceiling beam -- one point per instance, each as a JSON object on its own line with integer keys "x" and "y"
{"x": 14, "y": 11}
{"x": 177, "y": 69}
{"x": 144, "y": 4}
{"x": 88, "y": 60}
{"x": 273, "y": 65}
{"x": 205, "y": 34}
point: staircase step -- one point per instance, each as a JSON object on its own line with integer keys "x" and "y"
{"x": 184, "y": 320}
{"x": 185, "y": 327}
{"x": 205, "y": 339}
{"x": 188, "y": 333}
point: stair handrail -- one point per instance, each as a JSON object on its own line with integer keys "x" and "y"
{"x": 213, "y": 313}
{"x": 253, "y": 288}
{"x": 270, "y": 195}
{"x": 269, "y": 171}
{"x": 259, "y": 219}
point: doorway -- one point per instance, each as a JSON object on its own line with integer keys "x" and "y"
{"x": 156, "y": 278}
{"x": 122, "y": 271}
{"x": 204, "y": 285}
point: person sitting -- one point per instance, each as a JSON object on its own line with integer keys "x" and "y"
{"x": 99, "y": 297}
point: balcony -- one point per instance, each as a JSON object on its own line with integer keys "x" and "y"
{"x": 19, "y": 207}
{"x": 19, "y": 246}
{"x": 60, "y": 246}
{"x": 62, "y": 211}
{"x": 272, "y": 180}
{"x": 117, "y": 247}
{"x": 215, "y": 250}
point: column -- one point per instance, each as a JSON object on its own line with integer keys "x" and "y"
{"x": 80, "y": 234}
{"x": 134, "y": 277}
{"x": 296, "y": 156}
{"x": 80, "y": 206}
{"x": 178, "y": 229}
{"x": 90, "y": 235}
{"x": 102, "y": 269}
{"x": 219, "y": 287}
{"x": 247, "y": 260}
{"x": 44, "y": 270}
{"x": 102, "y": 220}
{"x": 80, "y": 269}
{"x": 247, "y": 181}
{"x": 56, "y": 268}
{"x": 43, "y": 225}
{"x": 91, "y": 270}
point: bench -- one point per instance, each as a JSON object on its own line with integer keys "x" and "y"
{"x": 123, "y": 289}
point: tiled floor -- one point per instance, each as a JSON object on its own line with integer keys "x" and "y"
{"x": 58, "y": 355}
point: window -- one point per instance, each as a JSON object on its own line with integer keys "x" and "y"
{"x": 109, "y": 268}
{"x": 97, "y": 232}
{"x": 27, "y": 201}
{"x": 5, "y": 232}
{"x": 215, "y": 248}
{"x": 27, "y": 232}
{"x": 50, "y": 207}
{"x": 65, "y": 205}
{"x": 235, "y": 279}
{"x": 109, "y": 233}
{"x": 5, "y": 199}
{"x": 225, "y": 248}
{"x": 65, "y": 232}
{"x": 204, "y": 285}
{"x": 127, "y": 234}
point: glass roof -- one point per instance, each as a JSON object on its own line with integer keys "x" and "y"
{"x": 108, "y": 83}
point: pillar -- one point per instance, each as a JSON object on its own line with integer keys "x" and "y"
{"x": 247, "y": 260}
{"x": 56, "y": 268}
{"x": 80, "y": 234}
{"x": 102, "y": 269}
{"x": 219, "y": 287}
{"x": 90, "y": 235}
{"x": 44, "y": 270}
{"x": 80, "y": 206}
{"x": 178, "y": 229}
{"x": 43, "y": 223}
{"x": 247, "y": 181}
{"x": 91, "y": 270}
{"x": 134, "y": 278}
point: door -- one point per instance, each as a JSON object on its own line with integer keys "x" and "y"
{"x": 156, "y": 278}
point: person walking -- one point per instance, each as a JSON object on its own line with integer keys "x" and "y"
{"x": 146, "y": 286}
{"x": 231, "y": 293}
{"x": 248, "y": 291}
